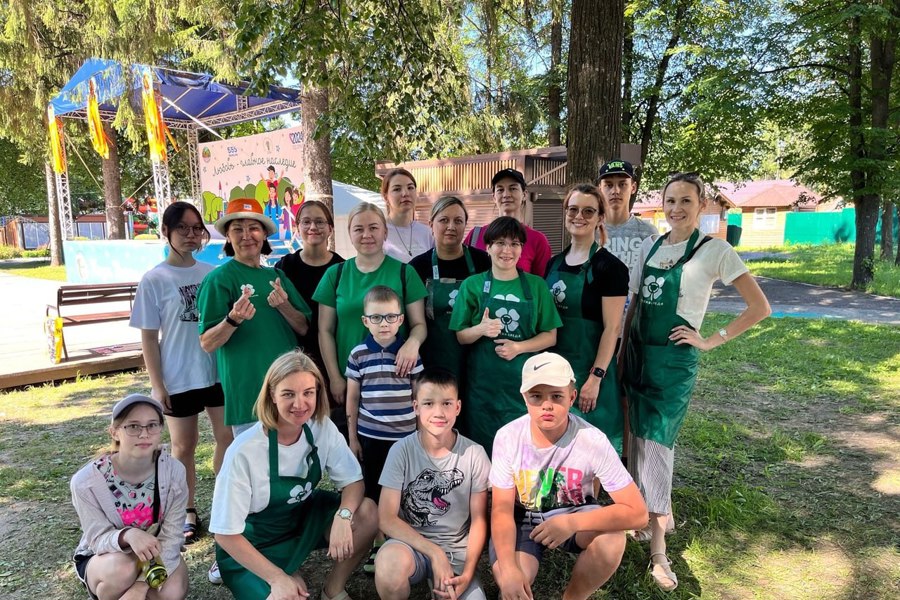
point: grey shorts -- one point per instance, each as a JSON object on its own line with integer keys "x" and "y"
{"x": 423, "y": 571}
{"x": 527, "y": 520}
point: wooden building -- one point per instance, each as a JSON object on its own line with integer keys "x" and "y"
{"x": 469, "y": 178}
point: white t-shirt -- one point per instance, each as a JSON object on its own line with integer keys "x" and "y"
{"x": 242, "y": 485}
{"x": 166, "y": 300}
{"x": 559, "y": 476}
{"x": 405, "y": 243}
{"x": 716, "y": 259}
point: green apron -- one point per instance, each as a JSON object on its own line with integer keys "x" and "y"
{"x": 288, "y": 529}
{"x": 577, "y": 342}
{"x": 659, "y": 375}
{"x": 441, "y": 348}
{"x": 493, "y": 398}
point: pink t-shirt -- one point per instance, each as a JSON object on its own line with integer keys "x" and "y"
{"x": 535, "y": 255}
{"x": 561, "y": 475}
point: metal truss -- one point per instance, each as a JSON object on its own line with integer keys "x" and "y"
{"x": 194, "y": 164}
{"x": 162, "y": 187}
{"x": 251, "y": 113}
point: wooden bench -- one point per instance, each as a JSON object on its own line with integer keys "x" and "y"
{"x": 89, "y": 294}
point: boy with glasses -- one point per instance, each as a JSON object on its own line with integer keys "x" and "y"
{"x": 379, "y": 401}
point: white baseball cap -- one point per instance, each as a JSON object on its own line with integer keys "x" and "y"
{"x": 546, "y": 368}
{"x": 133, "y": 399}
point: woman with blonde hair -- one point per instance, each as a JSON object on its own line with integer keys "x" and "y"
{"x": 671, "y": 285}
{"x": 443, "y": 270}
{"x": 268, "y": 514}
{"x": 589, "y": 286}
{"x": 341, "y": 291}
{"x": 130, "y": 503}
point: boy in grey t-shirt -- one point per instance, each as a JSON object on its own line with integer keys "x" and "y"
{"x": 433, "y": 503}
{"x": 625, "y": 233}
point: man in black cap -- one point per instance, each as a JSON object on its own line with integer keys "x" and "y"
{"x": 625, "y": 232}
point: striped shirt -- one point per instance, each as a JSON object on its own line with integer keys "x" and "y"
{"x": 385, "y": 404}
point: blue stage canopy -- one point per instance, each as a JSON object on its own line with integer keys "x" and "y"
{"x": 187, "y": 97}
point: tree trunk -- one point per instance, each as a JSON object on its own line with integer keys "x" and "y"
{"x": 317, "y": 148}
{"x": 56, "y": 249}
{"x": 112, "y": 189}
{"x": 554, "y": 91}
{"x": 594, "y": 86}
{"x": 882, "y": 56}
{"x": 628, "y": 78}
{"x": 887, "y": 230}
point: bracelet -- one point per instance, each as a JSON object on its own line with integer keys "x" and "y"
{"x": 231, "y": 321}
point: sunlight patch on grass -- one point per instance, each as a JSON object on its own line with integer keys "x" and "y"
{"x": 829, "y": 265}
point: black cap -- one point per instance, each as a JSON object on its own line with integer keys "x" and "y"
{"x": 616, "y": 167}
{"x": 508, "y": 174}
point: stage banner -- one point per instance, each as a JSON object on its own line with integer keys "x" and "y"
{"x": 267, "y": 166}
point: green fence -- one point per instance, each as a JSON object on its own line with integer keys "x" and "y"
{"x": 827, "y": 228}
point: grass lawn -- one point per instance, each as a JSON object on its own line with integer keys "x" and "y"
{"x": 36, "y": 269}
{"x": 830, "y": 265}
{"x": 787, "y": 477}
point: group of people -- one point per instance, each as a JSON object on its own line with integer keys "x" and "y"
{"x": 361, "y": 368}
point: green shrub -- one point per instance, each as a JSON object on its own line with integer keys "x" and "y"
{"x": 39, "y": 253}
{"x": 9, "y": 252}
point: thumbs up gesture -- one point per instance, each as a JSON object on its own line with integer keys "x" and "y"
{"x": 277, "y": 296}
{"x": 490, "y": 327}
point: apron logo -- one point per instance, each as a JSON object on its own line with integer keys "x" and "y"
{"x": 452, "y": 297}
{"x": 507, "y": 298}
{"x": 300, "y": 493}
{"x": 509, "y": 319}
{"x": 559, "y": 291}
{"x": 652, "y": 288}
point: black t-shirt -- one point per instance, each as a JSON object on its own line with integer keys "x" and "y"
{"x": 454, "y": 269}
{"x": 610, "y": 279}
{"x": 306, "y": 278}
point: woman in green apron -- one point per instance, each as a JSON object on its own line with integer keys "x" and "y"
{"x": 268, "y": 514}
{"x": 443, "y": 270}
{"x": 671, "y": 286}
{"x": 505, "y": 316}
{"x": 589, "y": 286}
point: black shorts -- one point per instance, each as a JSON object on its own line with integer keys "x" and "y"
{"x": 527, "y": 520}
{"x": 194, "y": 402}
{"x": 81, "y": 562}
{"x": 374, "y": 456}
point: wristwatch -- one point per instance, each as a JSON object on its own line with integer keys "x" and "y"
{"x": 724, "y": 334}
{"x": 598, "y": 372}
{"x": 345, "y": 513}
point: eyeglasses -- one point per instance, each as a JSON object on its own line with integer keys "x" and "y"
{"x": 586, "y": 211}
{"x": 186, "y": 229}
{"x": 390, "y": 318}
{"x": 307, "y": 223}
{"x": 134, "y": 430}
{"x": 504, "y": 245}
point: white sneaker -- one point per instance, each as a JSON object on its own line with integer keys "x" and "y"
{"x": 213, "y": 574}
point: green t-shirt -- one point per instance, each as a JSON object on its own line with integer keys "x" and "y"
{"x": 467, "y": 310}
{"x": 347, "y": 296}
{"x": 244, "y": 359}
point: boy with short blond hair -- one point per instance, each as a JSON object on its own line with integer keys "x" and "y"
{"x": 379, "y": 401}
{"x": 433, "y": 501}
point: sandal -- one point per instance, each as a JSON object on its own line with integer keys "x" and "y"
{"x": 369, "y": 565}
{"x": 191, "y": 530}
{"x": 662, "y": 573}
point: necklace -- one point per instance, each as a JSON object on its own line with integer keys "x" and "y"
{"x": 399, "y": 237}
